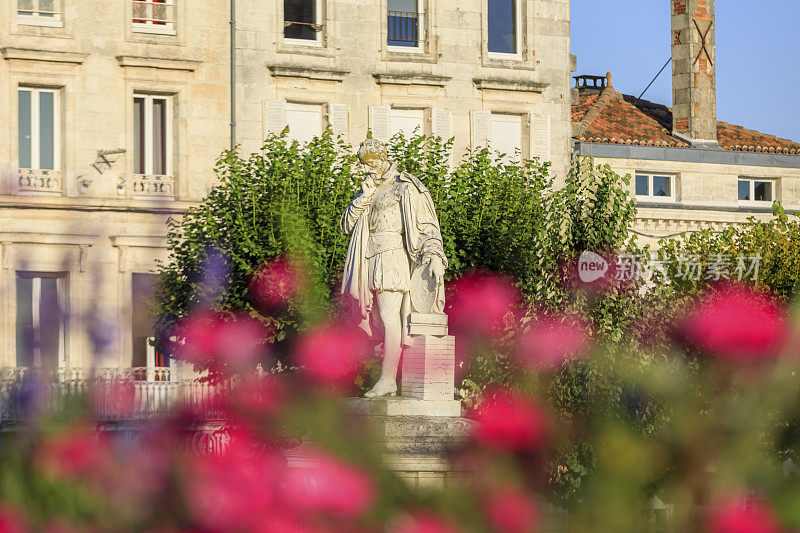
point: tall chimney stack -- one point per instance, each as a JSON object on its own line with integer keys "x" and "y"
{"x": 694, "y": 79}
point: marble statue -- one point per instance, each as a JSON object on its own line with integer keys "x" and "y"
{"x": 395, "y": 259}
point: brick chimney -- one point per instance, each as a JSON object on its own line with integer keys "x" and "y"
{"x": 694, "y": 79}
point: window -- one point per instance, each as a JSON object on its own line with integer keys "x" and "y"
{"x": 38, "y": 128}
{"x": 505, "y": 135}
{"x": 40, "y": 319}
{"x": 404, "y": 23}
{"x": 152, "y": 124}
{"x": 304, "y": 121}
{"x": 148, "y": 362}
{"x": 39, "y": 12}
{"x": 301, "y": 21}
{"x": 503, "y": 24}
{"x": 654, "y": 187}
{"x": 154, "y": 16}
{"x": 754, "y": 190}
{"x": 409, "y": 122}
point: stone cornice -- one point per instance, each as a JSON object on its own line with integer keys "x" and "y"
{"x": 311, "y": 73}
{"x": 50, "y": 56}
{"x": 22, "y": 237}
{"x": 134, "y": 241}
{"x": 410, "y": 78}
{"x": 504, "y": 84}
{"x": 166, "y": 63}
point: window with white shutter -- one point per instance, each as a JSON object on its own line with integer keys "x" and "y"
{"x": 409, "y": 122}
{"x": 540, "y": 136}
{"x": 379, "y": 122}
{"x": 441, "y": 123}
{"x": 274, "y": 116}
{"x": 339, "y": 119}
{"x": 480, "y": 128}
{"x": 506, "y": 135}
{"x": 304, "y": 121}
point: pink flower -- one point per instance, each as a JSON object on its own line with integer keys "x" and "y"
{"x": 423, "y": 523}
{"x": 115, "y": 398}
{"x": 216, "y": 339}
{"x": 736, "y": 323}
{"x": 331, "y": 355}
{"x": 511, "y": 511}
{"x": 734, "y": 517}
{"x": 258, "y": 396}
{"x": 509, "y": 422}
{"x": 551, "y": 342}
{"x": 11, "y": 520}
{"x": 324, "y": 484}
{"x": 276, "y": 283}
{"x": 479, "y": 303}
{"x": 76, "y": 454}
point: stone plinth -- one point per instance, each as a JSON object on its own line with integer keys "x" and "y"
{"x": 428, "y": 370}
{"x": 402, "y": 406}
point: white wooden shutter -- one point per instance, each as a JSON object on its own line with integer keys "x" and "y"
{"x": 304, "y": 121}
{"x": 540, "y": 136}
{"x": 409, "y": 122}
{"x": 339, "y": 119}
{"x": 481, "y": 125}
{"x": 379, "y": 122}
{"x": 274, "y": 116}
{"x": 441, "y": 123}
{"x": 506, "y": 135}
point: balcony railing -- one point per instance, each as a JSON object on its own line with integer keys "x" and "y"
{"x": 403, "y": 29}
{"x": 113, "y": 394}
{"x": 38, "y": 180}
{"x": 152, "y": 185}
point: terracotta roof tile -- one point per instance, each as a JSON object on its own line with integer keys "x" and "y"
{"x": 611, "y": 117}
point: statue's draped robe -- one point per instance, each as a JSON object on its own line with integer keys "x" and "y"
{"x": 421, "y": 237}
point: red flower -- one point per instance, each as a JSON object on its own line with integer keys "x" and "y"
{"x": 736, "y": 323}
{"x": 734, "y": 517}
{"x": 276, "y": 283}
{"x": 331, "y": 355}
{"x": 511, "y": 511}
{"x": 423, "y": 523}
{"x": 75, "y": 454}
{"x": 551, "y": 342}
{"x": 509, "y": 422}
{"x": 11, "y": 521}
{"x": 214, "y": 338}
{"x": 324, "y": 484}
{"x": 479, "y": 303}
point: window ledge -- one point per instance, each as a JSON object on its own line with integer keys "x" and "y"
{"x": 298, "y": 48}
{"x": 311, "y": 73}
{"x": 410, "y": 78}
{"x": 153, "y": 30}
{"x": 38, "y": 21}
{"x": 158, "y": 62}
{"x": 51, "y": 56}
{"x": 503, "y": 84}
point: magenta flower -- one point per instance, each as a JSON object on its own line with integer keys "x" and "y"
{"x": 507, "y": 421}
{"x": 12, "y": 521}
{"x": 734, "y": 517}
{"x": 213, "y": 338}
{"x": 275, "y": 283}
{"x": 325, "y": 484}
{"x": 423, "y": 522}
{"x": 551, "y": 342}
{"x": 736, "y": 323}
{"x": 77, "y": 454}
{"x": 480, "y": 302}
{"x": 331, "y": 355}
{"x": 510, "y": 510}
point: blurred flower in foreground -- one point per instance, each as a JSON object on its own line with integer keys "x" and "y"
{"x": 11, "y": 521}
{"x": 510, "y": 510}
{"x": 73, "y": 454}
{"x": 211, "y": 337}
{"x": 258, "y": 395}
{"x": 324, "y": 484}
{"x": 331, "y": 355}
{"x": 510, "y": 422}
{"x": 423, "y": 523}
{"x": 734, "y": 517}
{"x": 736, "y": 323}
{"x": 551, "y": 342}
{"x": 479, "y": 302}
{"x": 275, "y": 283}
{"x": 114, "y": 398}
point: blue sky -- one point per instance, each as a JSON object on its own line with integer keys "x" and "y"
{"x": 758, "y": 56}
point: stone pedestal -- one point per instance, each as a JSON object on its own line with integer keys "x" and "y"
{"x": 428, "y": 370}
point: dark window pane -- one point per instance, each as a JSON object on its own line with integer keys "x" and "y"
{"x": 403, "y": 23}
{"x": 762, "y": 191}
{"x": 143, "y": 287}
{"x": 24, "y": 322}
{"x": 303, "y": 11}
{"x": 159, "y": 136}
{"x": 50, "y": 320}
{"x": 24, "y": 129}
{"x": 744, "y": 190}
{"x": 138, "y": 136}
{"x": 47, "y": 8}
{"x": 25, "y": 7}
{"x": 502, "y": 27}
{"x": 47, "y": 130}
{"x": 642, "y": 185}
{"x": 661, "y": 186}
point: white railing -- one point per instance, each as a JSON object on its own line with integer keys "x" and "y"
{"x": 109, "y": 393}
{"x": 152, "y": 185}
{"x": 39, "y": 180}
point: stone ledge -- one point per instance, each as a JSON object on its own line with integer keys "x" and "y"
{"x": 411, "y": 78}
{"x": 50, "y": 56}
{"x": 166, "y": 63}
{"x": 311, "y": 73}
{"x": 401, "y": 406}
{"x": 136, "y": 241}
{"x": 502, "y": 84}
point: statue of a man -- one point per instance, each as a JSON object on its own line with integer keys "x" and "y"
{"x": 395, "y": 236}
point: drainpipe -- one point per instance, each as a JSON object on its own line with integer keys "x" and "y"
{"x": 233, "y": 74}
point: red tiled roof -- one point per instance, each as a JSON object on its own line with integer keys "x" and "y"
{"x": 614, "y": 118}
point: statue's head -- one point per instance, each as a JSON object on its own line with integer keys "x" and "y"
{"x": 373, "y": 154}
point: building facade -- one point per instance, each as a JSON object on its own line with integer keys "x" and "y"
{"x": 111, "y": 119}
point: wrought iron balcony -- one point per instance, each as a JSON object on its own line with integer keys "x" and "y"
{"x": 403, "y": 28}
